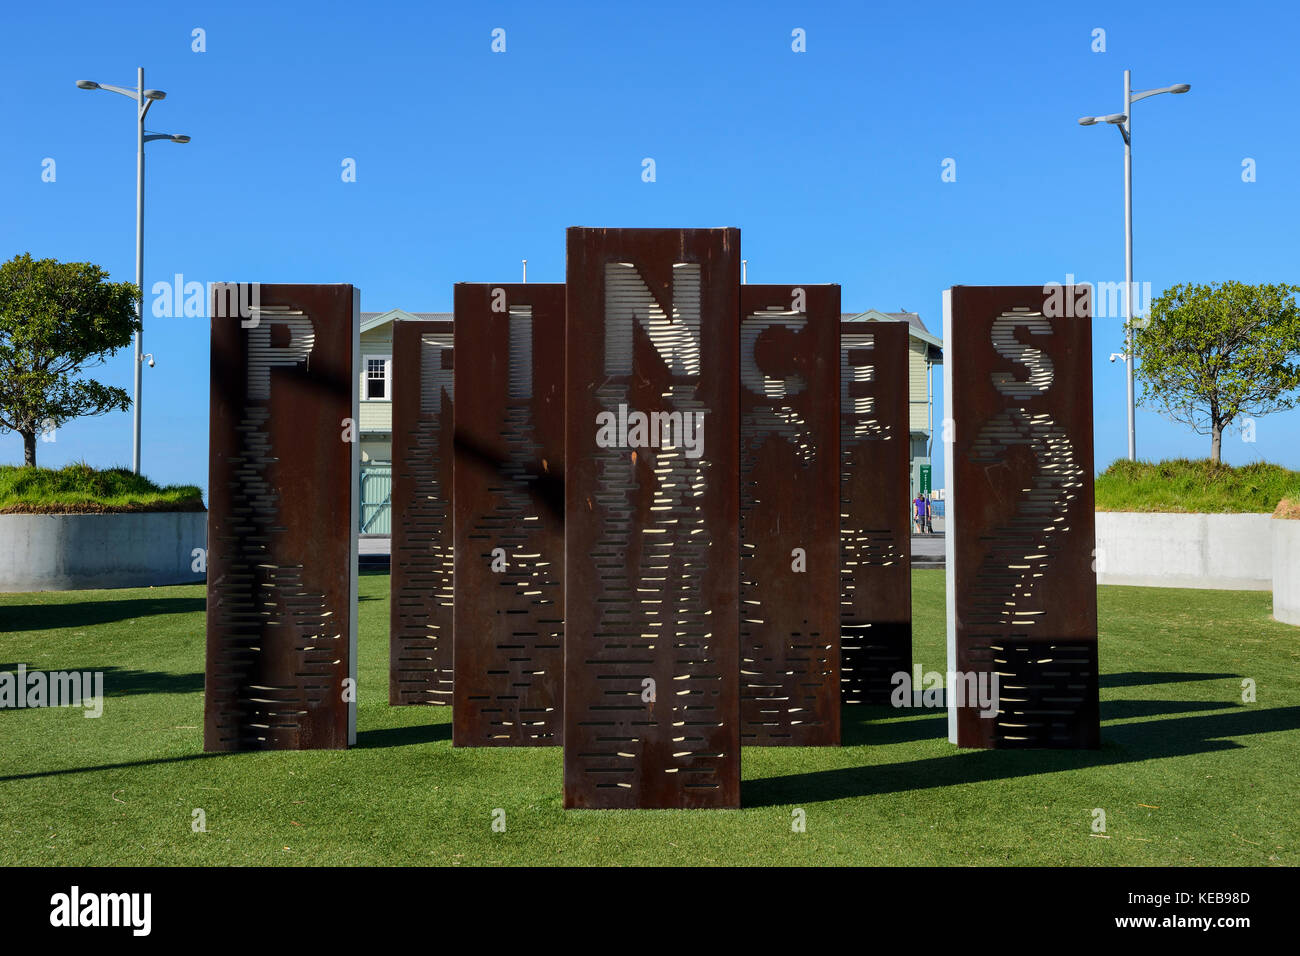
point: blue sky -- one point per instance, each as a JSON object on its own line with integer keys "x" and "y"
{"x": 468, "y": 161}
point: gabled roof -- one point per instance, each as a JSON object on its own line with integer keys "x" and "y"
{"x": 373, "y": 320}
{"x": 917, "y": 328}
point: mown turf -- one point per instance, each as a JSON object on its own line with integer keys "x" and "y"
{"x": 1194, "y": 486}
{"x": 81, "y": 489}
{"x": 1188, "y": 774}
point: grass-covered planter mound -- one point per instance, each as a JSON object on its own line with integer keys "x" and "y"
{"x": 1286, "y": 562}
{"x": 78, "y": 527}
{"x": 1189, "y": 524}
{"x": 1183, "y": 486}
{"x": 81, "y": 489}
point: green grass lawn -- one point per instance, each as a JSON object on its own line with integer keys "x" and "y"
{"x": 79, "y": 489}
{"x": 1188, "y": 773}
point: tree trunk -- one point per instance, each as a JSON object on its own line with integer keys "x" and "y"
{"x": 29, "y": 448}
{"x": 1216, "y": 443}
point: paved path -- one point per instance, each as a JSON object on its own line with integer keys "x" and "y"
{"x": 927, "y": 550}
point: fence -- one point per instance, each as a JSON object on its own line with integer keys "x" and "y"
{"x": 376, "y": 496}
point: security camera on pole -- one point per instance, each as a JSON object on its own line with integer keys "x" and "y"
{"x": 1125, "y": 123}
{"x": 143, "y": 100}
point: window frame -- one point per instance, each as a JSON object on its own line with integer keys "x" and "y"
{"x": 366, "y": 359}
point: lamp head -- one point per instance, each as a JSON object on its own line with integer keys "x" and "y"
{"x": 1180, "y": 88}
{"x": 1115, "y": 119}
{"x": 1087, "y": 120}
{"x": 155, "y": 95}
{"x": 180, "y": 139}
{"x": 87, "y": 85}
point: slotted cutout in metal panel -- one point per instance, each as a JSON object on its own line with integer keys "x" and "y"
{"x": 282, "y": 521}
{"x": 1022, "y": 599}
{"x": 509, "y": 495}
{"x": 875, "y": 533}
{"x": 789, "y": 519}
{"x": 651, "y": 493}
{"x": 420, "y": 651}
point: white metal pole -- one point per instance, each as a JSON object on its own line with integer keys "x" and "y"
{"x": 139, "y": 266}
{"x": 1128, "y": 263}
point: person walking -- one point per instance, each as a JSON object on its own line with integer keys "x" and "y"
{"x": 929, "y": 514}
{"x": 918, "y": 513}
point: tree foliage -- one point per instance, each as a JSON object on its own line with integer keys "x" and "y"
{"x": 1210, "y": 353}
{"x": 57, "y": 319}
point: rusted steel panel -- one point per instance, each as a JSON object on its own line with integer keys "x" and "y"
{"x": 420, "y": 611}
{"x": 509, "y": 506}
{"x": 652, "y": 549}
{"x": 282, "y": 521}
{"x": 875, "y": 528}
{"x": 789, "y": 515}
{"x": 1022, "y": 599}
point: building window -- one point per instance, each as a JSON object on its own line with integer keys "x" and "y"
{"x": 377, "y": 377}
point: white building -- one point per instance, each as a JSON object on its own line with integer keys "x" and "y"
{"x": 376, "y": 434}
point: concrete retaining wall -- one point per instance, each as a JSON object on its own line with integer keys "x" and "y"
{"x": 1229, "y": 551}
{"x": 1286, "y": 570}
{"x": 70, "y": 552}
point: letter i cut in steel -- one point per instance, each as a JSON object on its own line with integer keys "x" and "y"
{"x": 509, "y": 505}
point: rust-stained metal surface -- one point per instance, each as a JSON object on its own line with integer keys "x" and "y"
{"x": 875, "y": 527}
{"x": 282, "y": 521}
{"x": 652, "y": 572}
{"x": 1023, "y": 593}
{"x": 509, "y": 507}
{"x": 789, "y": 515}
{"x": 420, "y": 609}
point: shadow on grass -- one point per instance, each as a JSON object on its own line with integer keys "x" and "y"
{"x": 882, "y": 726}
{"x": 879, "y": 726}
{"x": 126, "y": 765}
{"x": 48, "y": 617}
{"x": 1124, "y": 709}
{"x": 1138, "y": 678}
{"x": 124, "y": 682}
{"x": 1124, "y": 743}
{"x": 366, "y": 739}
{"x": 403, "y": 736}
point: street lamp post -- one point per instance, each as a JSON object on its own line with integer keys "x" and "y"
{"x": 143, "y": 100}
{"x": 1124, "y": 121}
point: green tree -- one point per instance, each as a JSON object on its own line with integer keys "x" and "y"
{"x": 1209, "y": 353}
{"x": 57, "y": 318}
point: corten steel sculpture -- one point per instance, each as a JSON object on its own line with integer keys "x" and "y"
{"x": 282, "y": 521}
{"x": 509, "y": 506}
{"x": 652, "y": 670}
{"x": 1022, "y": 595}
{"x": 420, "y": 611}
{"x": 789, "y": 515}
{"x": 875, "y": 531}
